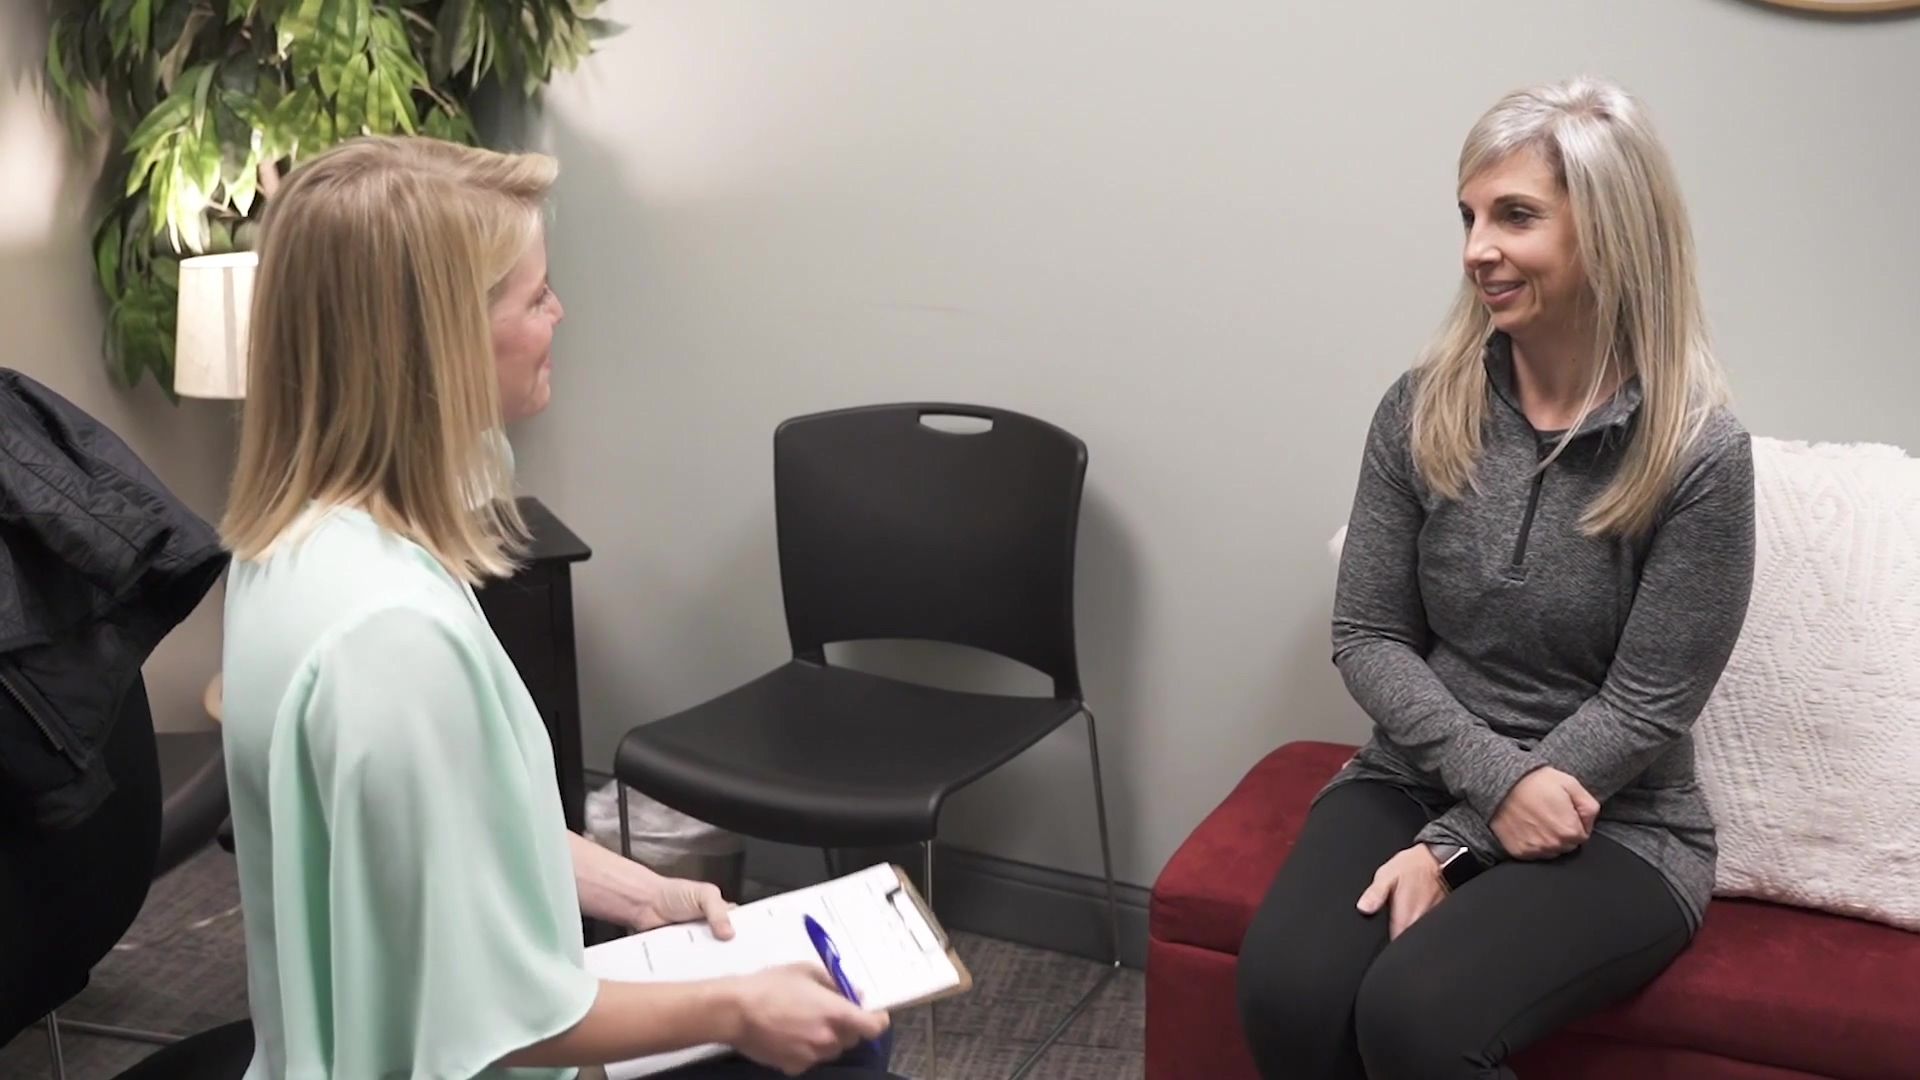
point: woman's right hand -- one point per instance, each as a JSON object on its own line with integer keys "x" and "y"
{"x": 792, "y": 1018}
{"x": 1547, "y": 813}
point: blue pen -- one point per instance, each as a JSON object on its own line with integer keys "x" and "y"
{"x": 830, "y": 957}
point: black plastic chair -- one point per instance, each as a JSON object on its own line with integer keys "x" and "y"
{"x": 889, "y": 528}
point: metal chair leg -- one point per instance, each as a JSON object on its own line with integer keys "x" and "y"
{"x": 114, "y": 1031}
{"x": 933, "y": 1025}
{"x": 1113, "y": 912}
{"x": 53, "y": 1047}
{"x": 626, "y": 830}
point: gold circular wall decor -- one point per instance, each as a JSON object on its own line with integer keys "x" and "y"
{"x": 1847, "y": 7}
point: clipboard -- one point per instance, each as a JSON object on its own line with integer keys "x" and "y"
{"x": 905, "y": 894}
{"x": 896, "y": 954}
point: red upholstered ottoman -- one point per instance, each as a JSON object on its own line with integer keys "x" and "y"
{"x": 1764, "y": 993}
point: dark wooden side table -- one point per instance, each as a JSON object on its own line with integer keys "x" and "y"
{"x": 532, "y": 615}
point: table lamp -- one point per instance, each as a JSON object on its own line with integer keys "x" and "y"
{"x": 210, "y": 336}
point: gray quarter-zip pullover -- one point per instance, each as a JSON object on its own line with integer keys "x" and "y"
{"x": 1487, "y": 636}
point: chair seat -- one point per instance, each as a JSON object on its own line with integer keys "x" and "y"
{"x": 827, "y": 756}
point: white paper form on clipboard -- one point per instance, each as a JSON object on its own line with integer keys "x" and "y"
{"x": 892, "y": 950}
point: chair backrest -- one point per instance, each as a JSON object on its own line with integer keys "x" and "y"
{"x": 893, "y": 529}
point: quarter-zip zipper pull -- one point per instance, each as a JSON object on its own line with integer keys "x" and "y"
{"x": 1519, "y": 564}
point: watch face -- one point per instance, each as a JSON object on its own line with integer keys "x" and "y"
{"x": 1460, "y": 868}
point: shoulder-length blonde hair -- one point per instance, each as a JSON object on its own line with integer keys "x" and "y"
{"x": 370, "y": 376}
{"x": 1636, "y": 249}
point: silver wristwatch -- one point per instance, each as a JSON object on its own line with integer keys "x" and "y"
{"x": 1458, "y": 865}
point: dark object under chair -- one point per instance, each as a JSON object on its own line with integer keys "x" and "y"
{"x": 893, "y": 526}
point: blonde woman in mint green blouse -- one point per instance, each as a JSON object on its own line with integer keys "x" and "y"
{"x": 412, "y": 898}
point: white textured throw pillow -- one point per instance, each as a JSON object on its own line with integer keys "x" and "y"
{"x": 1809, "y": 750}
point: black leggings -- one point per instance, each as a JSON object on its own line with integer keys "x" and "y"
{"x": 1516, "y": 953}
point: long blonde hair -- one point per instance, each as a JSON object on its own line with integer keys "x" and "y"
{"x": 370, "y": 376}
{"x": 1637, "y": 252}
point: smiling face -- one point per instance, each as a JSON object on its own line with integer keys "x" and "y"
{"x": 524, "y": 312}
{"x": 1522, "y": 247}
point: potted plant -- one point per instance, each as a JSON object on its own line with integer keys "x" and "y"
{"x": 203, "y": 105}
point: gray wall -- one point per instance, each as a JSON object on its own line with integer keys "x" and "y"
{"x": 50, "y": 320}
{"x": 1203, "y": 237}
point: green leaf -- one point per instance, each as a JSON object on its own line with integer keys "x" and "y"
{"x": 297, "y": 27}
{"x": 207, "y": 161}
{"x": 166, "y": 270}
{"x": 238, "y": 10}
{"x": 246, "y": 235}
{"x": 158, "y": 136}
{"x": 294, "y": 125}
{"x": 352, "y": 22}
{"x": 240, "y": 79}
{"x": 245, "y": 185}
{"x": 350, "y": 104}
{"x": 136, "y": 249}
{"x": 308, "y": 33}
{"x": 375, "y": 107}
{"x": 56, "y": 64}
{"x": 451, "y": 126}
{"x": 175, "y": 111}
{"x": 321, "y": 36}
{"x": 72, "y": 91}
{"x": 236, "y": 143}
{"x": 569, "y": 45}
{"x": 141, "y": 326}
{"x": 165, "y": 195}
{"x": 401, "y": 103}
{"x": 451, "y": 31}
{"x": 537, "y": 21}
{"x": 201, "y": 77}
{"x": 482, "y": 50}
{"x": 106, "y": 255}
{"x": 160, "y": 191}
{"x": 318, "y": 132}
{"x": 140, "y": 19}
{"x": 393, "y": 53}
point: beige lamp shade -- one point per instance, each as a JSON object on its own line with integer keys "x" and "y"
{"x": 210, "y": 338}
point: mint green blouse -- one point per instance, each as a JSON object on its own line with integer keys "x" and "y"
{"x": 405, "y": 880}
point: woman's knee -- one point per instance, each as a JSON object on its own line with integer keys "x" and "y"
{"x": 1268, "y": 986}
{"x": 1405, "y": 1021}
{"x": 1294, "y": 1011}
{"x": 1280, "y": 1015}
